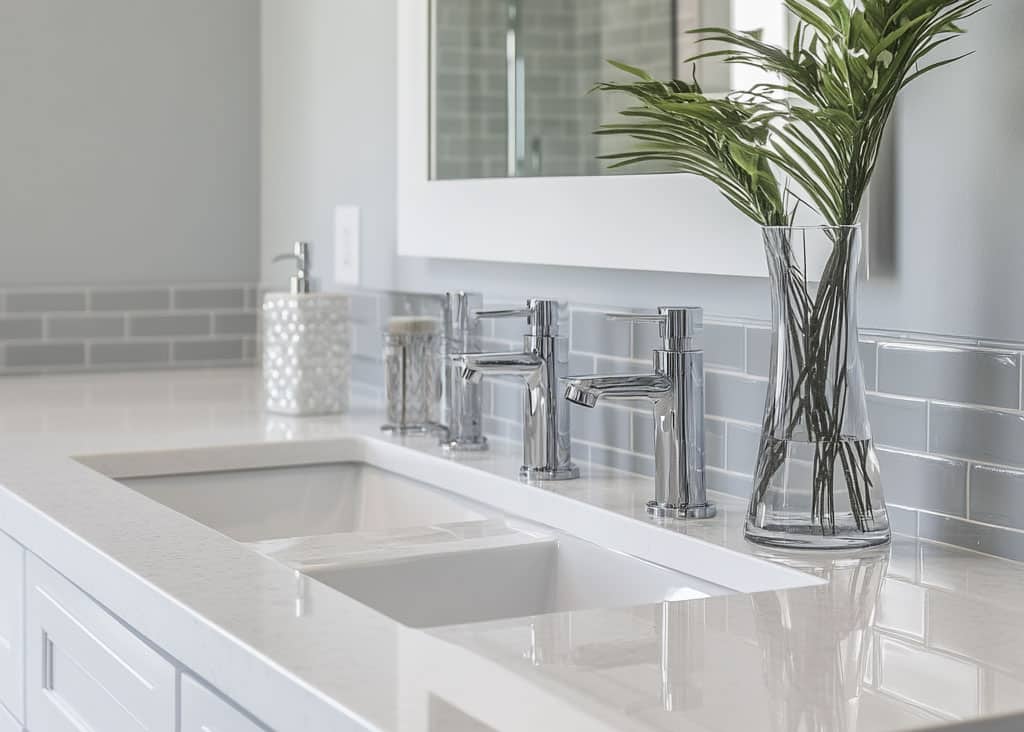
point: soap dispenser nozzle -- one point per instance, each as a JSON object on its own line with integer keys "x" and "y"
{"x": 300, "y": 280}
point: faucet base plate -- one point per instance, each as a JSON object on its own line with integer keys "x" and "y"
{"x": 708, "y": 510}
{"x": 479, "y": 445}
{"x": 569, "y": 472}
{"x": 658, "y": 510}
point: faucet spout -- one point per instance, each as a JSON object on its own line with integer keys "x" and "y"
{"x": 474, "y": 366}
{"x": 586, "y": 391}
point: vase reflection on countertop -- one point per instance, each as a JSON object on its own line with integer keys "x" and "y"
{"x": 672, "y": 645}
{"x": 815, "y": 671}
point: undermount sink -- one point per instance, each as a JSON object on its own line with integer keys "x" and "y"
{"x": 548, "y": 572}
{"x": 371, "y": 522}
{"x": 305, "y": 500}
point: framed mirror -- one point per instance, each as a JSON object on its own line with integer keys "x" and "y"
{"x": 497, "y": 156}
{"x": 510, "y": 78}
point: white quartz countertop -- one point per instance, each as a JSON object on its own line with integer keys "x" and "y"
{"x": 915, "y": 636}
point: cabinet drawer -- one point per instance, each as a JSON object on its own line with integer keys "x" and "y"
{"x": 12, "y": 628}
{"x": 204, "y": 711}
{"x": 86, "y": 670}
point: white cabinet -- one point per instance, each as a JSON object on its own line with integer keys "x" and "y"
{"x": 204, "y": 711}
{"x": 8, "y": 723}
{"x": 12, "y": 629}
{"x": 86, "y": 671}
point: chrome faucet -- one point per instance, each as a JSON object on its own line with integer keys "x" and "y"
{"x": 677, "y": 390}
{"x": 462, "y": 405}
{"x": 542, "y": 363}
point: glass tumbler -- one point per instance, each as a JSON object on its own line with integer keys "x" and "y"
{"x": 412, "y": 381}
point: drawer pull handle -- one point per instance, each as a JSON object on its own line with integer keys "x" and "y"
{"x": 47, "y": 662}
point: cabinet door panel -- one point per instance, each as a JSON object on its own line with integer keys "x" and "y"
{"x": 87, "y": 672}
{"x": 12, "y": 629}
{"x": 203, "y": 711}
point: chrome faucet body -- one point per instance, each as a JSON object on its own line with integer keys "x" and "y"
{"x": 542, "y": 363}
{"x": 462, "y": 403}
{"x": 676, "y": 389}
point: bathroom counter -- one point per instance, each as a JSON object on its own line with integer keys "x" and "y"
{"x": 915, "y": 636}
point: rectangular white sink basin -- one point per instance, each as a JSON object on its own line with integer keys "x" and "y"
{"x": 304, "y": 500}
{"x": 430, "y": 542}
{"x": 547, "y": 573}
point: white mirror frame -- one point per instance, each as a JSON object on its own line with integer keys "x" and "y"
{"x": 661, "y": 223}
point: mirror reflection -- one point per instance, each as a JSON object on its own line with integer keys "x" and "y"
{"x": 510, "y": 77}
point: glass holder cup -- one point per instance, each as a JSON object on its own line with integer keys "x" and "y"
{"x": 412, "y": 382}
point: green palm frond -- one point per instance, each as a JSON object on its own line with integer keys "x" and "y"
{"x": 820, "y": 125}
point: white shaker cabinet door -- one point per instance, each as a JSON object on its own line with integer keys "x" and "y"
{"x": 86, "y": 671}
{"x": 204, "y": 711}
{"x": 12, "y": 629}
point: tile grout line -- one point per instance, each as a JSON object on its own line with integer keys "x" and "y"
{"x": 967, "y": 492}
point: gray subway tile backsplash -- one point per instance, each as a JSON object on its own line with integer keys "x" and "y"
{"x": 969, "y": 535}
{"x": 714, "y": 442}
{"x": 604, "y": 425}
{"x": 734, "y": 396}
{"x": 169, "y": 325}
{"x": 950, "y": 374}
{"x": 759, "y": 350}
{"x": 125, "y": 354}
{"x": 621, "y": 460}
{"x": 368, "y": 371}
{"x": 44, "y": 355}
{"x": 725, "y": 346}
{"x": 235, "y": 323}
{"x": 84, "y": 326}
{"x": 997, "y": 496}
{"x": 927, "y": 482}
{"x": 57, "y": 301}
{"x": 741, "y": 448}
{"x": 604, "y": 366}
{"x": 507, "y": 400}
{"x": 973, "y": 433}
{"x": 903, "y": 520}
{"x": 734, "y": 484}
{"x": 592, "y": 332}
{"x": 897, "y": 422}
{"x": 643, "y": 432}
{"x": 208, "y": 350}
{"x": 126, "y": 300}
{"x": 209, "y": 298}
{"x": 20, "y": 328}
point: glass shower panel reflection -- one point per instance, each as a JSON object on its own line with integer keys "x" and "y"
{"x": 511, "y": 79}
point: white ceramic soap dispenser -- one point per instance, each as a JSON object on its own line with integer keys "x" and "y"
{"x": 307, "y": 354}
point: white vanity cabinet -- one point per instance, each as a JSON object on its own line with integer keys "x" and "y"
{"x": 85, "y": 670}
{"x": 8, "y": 723}
{"x": 12, "y": 635}
{"x": 204, "y": 711}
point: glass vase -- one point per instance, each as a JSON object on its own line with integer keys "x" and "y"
{"x": 817, "y": 483}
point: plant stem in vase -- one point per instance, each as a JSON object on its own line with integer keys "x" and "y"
{"x": 817, "y": 480}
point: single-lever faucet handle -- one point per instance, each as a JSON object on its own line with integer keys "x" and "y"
{"x": 542, "y": 315}
{"x": 300, "y": 280}
{"x": 679, "y": 326}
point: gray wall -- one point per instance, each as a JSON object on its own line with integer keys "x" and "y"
{"x": 956, "y": 263}
{"x": 129, "y": 141}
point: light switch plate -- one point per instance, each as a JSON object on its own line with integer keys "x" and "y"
{"x": 346, "y": 245}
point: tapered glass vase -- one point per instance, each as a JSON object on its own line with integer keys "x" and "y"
{"x": 817, "y": 483}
